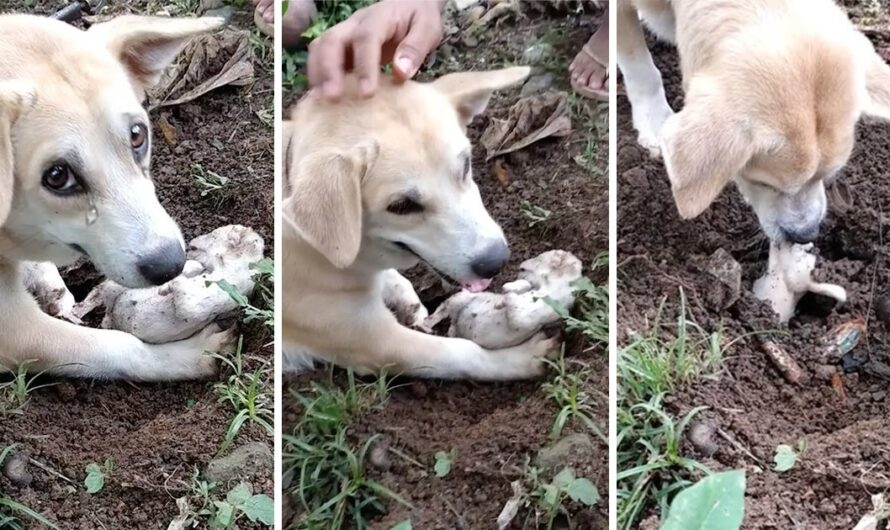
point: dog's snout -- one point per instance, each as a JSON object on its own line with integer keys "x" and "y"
{"x": 491, "y": 260}
{"x": 163, "y": 264}
{"x": 802, "y": 236}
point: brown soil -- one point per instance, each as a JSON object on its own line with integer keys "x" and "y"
{"x": 847, "y": 459}
{"x": 495, "y": 429}
{"x": 158, "y": 435}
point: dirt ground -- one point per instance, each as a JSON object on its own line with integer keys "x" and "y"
{"x": 844, "y": 425}
{"x": 495, "y": 428}
{"x": 158, "y": 435}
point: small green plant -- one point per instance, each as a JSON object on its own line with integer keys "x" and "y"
{"x": 240, "y": 502}
{"x": 330, "y": 486}
{"x": 264, "y": 310}
{"x": 535, "y": 214}
{"x": 211, "y": 183}
{"x": 96, "y": 475}
{"x": 786, "y": 456}
{"x": 248, "y": 392}
{"x": 548, "y": 498}
{"x": 716, "y": 502}
{"x": 10, "y": 508}
{"x": 16, "y": 392}
{"x": 404, "y": 525}
{"x": 591, "y": 307}
{"x": 569, "y": 390}
{"x": 444, "y": 462}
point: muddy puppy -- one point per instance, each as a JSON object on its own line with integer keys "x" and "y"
{"x": 386, "y": 183}
{"x": 75, "y": 146}
{"x": 773, "y": 92}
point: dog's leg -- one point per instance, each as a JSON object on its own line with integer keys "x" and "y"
{"x": 29, "y": 335}
{"x": 400, "y": 297}
{"x": 642, "y": 79}
{"x": 400, "y": 350}
{"x": 46, "y": 284}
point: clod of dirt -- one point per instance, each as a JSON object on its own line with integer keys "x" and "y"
{"x": 418, "y": 389}
{"x": 16, "y": 470}
{"x": 727, "y": 271}
{"x": 701, "y": 435}
{"x": 45, "y": 283}
{"x": 189, "y": 303}
{"x": 207, "y": 63}
{"x": 531, "y": 119}
{"x": 66, "y": 391}
{"x": 378, "y": 456}
{"x": 825, "y": 372}
{"x": 573, "y": 447}
{"x": 250, "y": 460}
{"x": 784, "y": 363}
{"x": 882, "y": 308}
{"x": 502, "y": 320}
{"x": 789, "y": 276}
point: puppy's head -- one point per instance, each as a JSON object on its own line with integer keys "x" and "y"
{"x": 387, "y": 182}
{"x": 780, "y": 121}
{"x": 76, "y": 144}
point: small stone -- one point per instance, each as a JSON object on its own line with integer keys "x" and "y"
{"x": 537, "y": 84}
{"x": 701, "y": 435}
{"x": 537, "y": 53}
{"x": 728, "y": 273}
{"x": 16, "y": 470}
{"x": 574, "y": 447}
{"x": 66, "y": 391}
{"x": 249, "y": 460}
{"x": 469, "y": 41}
{"x": 378, "y": 456}
{"x": 418, "y": 389}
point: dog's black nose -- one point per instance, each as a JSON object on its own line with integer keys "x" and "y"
{"x": 491, "y": 260}
{"x": 163, "y": 264}
{"x": 802, "y": 236}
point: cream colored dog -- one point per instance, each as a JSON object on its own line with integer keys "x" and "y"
{"x": 774, "y": 89}
{"x": 74, "y": 156}
{"x": 384, "y": 183}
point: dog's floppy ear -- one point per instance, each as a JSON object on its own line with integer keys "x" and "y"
{"x": 147, "y": 45}
{"x": 469, "y": 92}
{"x": 702, "y": 153}
{"x": 877, "y": 81}
{"x": 15, "y": 98}
{"x": 325, "y": 203}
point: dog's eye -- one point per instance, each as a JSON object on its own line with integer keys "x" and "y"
{"x": 61, "y": 180}
{"x": 139, "y": 139}
{"x": 404, "y": 206}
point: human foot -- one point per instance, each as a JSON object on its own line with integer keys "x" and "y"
{"x": 264, "y": 16}
{"x": 296, "y": 20}
{"x": 590, "y": 69}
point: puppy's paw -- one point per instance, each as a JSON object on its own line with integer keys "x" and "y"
{"x": 215, "y": 339}
{"x": 190, "y": 359}
{"x": 535, "y": 351}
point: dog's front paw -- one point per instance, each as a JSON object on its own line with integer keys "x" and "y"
{"x": 649, "y": 118}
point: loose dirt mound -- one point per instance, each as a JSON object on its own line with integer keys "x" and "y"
{"x": 847, "y": 458}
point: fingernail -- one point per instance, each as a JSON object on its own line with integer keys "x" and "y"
{"x": 406, "y": 66}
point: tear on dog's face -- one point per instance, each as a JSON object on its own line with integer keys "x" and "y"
{"x": 77, "y": 177}
{"x": 388, "y": 182}
{"x": 778, "y": 117}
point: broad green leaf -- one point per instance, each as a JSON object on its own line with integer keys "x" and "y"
{"x": 225, "y": 515}
{"x": 717, "y": 502}
{"x": 260, "y": 508}
{"x": 404, "y": 525}
{"x": 95, "y": 479}
{"x": 551, "y": 495}
{"x": 233, "y": 292}
{"x": 582, "y": 490}
{"x": 443, "y": 464}
{"x": 564, "y": 478}
{"x": 785, "y": 458}
{"x": 239, "y": 494}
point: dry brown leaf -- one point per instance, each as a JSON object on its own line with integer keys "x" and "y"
{"x": 530, "y": 120}
{"x": 168, "y": 130}
{"x": 501, "y": 172}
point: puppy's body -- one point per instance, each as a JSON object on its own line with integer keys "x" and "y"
{"x": 75, "y": 146}
{"x": 773, "y": 91}
{"x": 382, "y": 184}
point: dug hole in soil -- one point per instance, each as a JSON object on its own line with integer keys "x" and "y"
{"x": 494, "y": 429}
{"x": 157, "y": 435}
{"x": 844, "y": 424}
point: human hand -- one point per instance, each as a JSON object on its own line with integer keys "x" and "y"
{"x": 401, "y": 32}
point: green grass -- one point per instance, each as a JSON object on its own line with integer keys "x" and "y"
{"x": 330, "y": 486}
{"x": 248, "y": 392}
{"x": 569, "y": 390}
{"x": 651, "y": 467}
{"x": 16, "y": 391}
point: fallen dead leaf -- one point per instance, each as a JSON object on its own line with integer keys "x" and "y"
{"x": 168, "y": 130}
{"x": 207, "y": 63}
{"x": 501, "y": 172}
{"x": 531, "y": 119}
{"x": 837, "y": 383}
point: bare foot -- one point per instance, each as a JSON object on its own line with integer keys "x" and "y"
{"x": 590, "y": 68}
{"x": 297, "y": 19}
{"x": 264, "y": 16}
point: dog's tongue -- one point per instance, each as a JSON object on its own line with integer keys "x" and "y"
{"x": 476, "y": 286}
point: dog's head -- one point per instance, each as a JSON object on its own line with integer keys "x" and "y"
{"x": 777, "y": 116}
{"x": 75, "y": 143}
{"x": 387, "y": 182}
